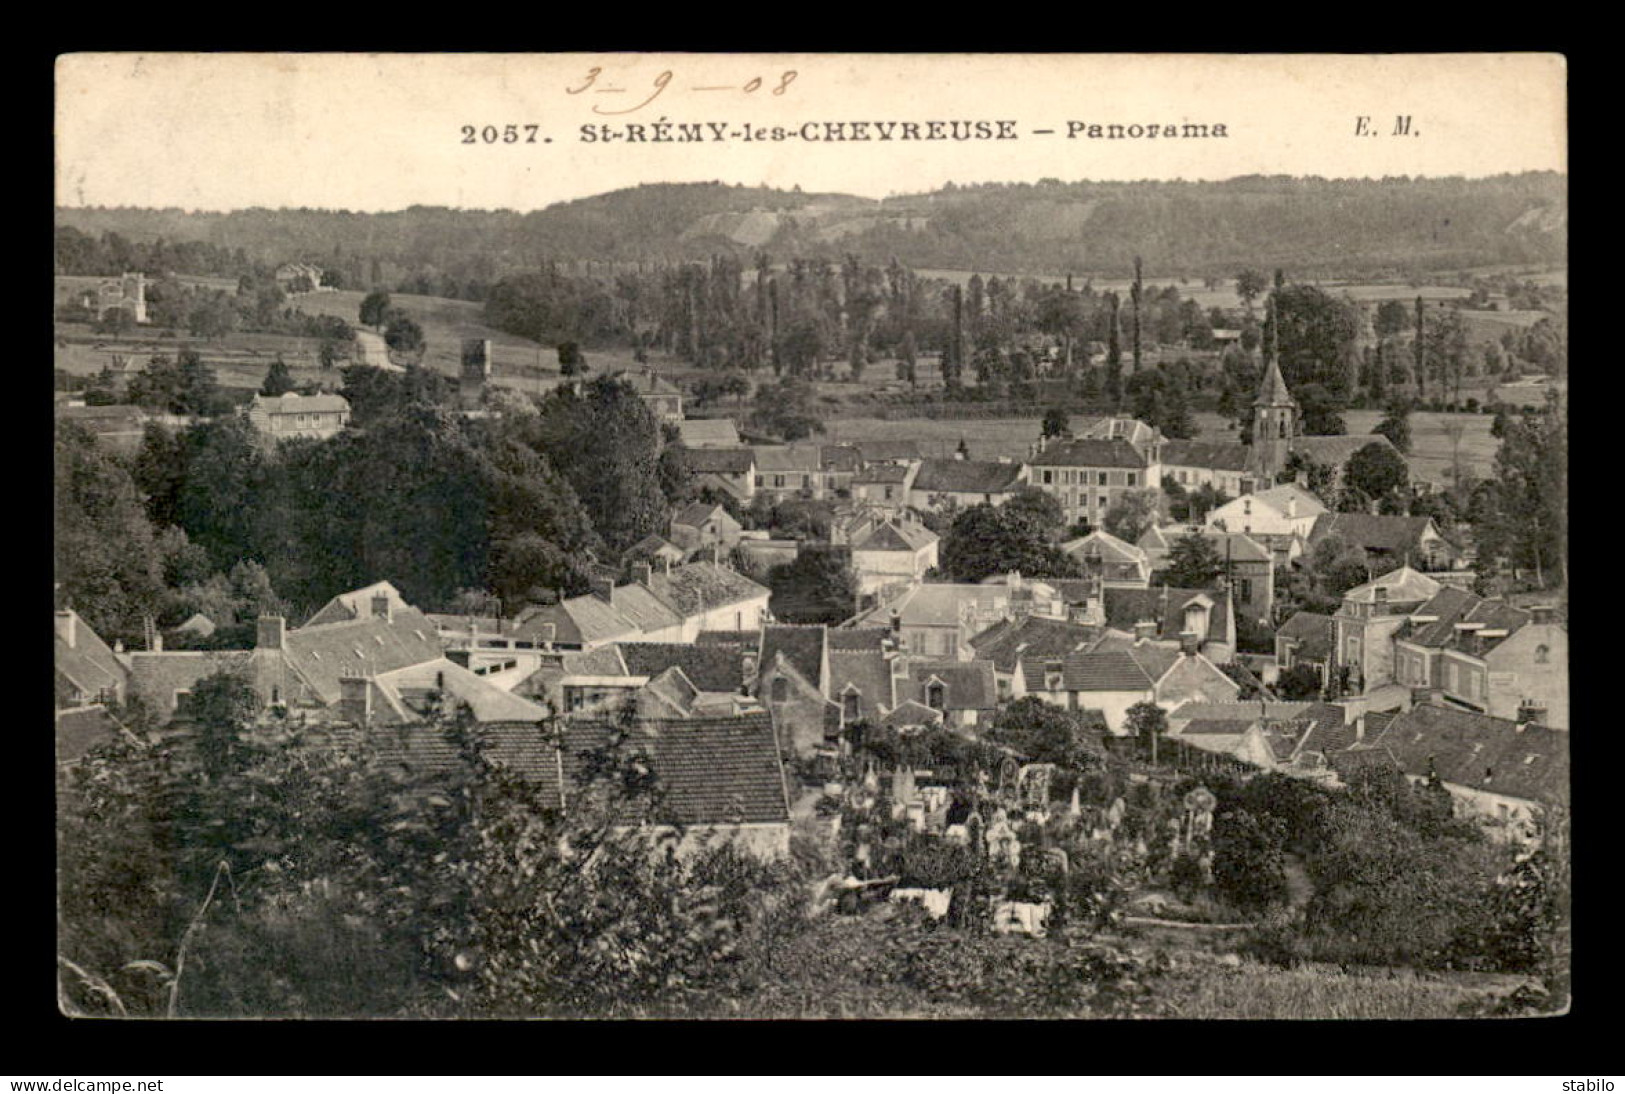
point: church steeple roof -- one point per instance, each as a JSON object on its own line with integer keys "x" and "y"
{"x": 1273, "y": 392}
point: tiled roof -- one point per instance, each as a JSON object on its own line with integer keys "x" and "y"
{"x": 696, "y": 513}
{"x": 869, "y": 672}
{"x": 1247, "y": 710}
{"x": 936, "y": 605}
{"x": 747, "y": 640}
{"x": 1477, "y": 751}
{"x": 355, "y": 604}
{"x": 1104, "y": 545}
{"x": 1304, "y": 504}
{"x": 707, "y": 770}
{"x": 1088, "y": 452}
{"x": 1104, "y": 672}
{"x": 1165, "y": 607}
{"x": 1211, "y": 455}
{"x": 644, "y": 608}
{"x": 891, "y": 536}
{"x": 1404, "y": 586}
{"x": 294, "y": 403}
{"x": 1335, "y": 451}
{"x": 840, "y": 457}
{"x": 1154, "y": 658}
{"x": 82, "y": 728}
{"x": 1010, "y": 642}
{"x": 720, "y": 461}
{"x": 800, "y": 459}
{"x": 801, "y": 646}
{"x": 882, "y": 473}
{"x": 1314, "y": 634}
{"x": 702, "y": 586}
{"x": 488, "y": 702}
{"x": 89, "y": 662}
{"x": 372, "y": 645}
{"x": 911, "y": 713}
{"x": 709, "y": 667}
{"x": 1330, "y": 731}
{"x": 1393, "y": 534}
{"x": 603, "y": 661}
{"x": 1237, "y": 546}
{"x": 970, "y": 684}
{"x": 1208, "y": 727}
{"x": 697, "y": 432}
{"x": 967, "y": 477}
{"x": 857, "y": 638}
{"x": 1452, "y": 606}
{"x": 670, "y": 694}
{"x": 652, "y": 546}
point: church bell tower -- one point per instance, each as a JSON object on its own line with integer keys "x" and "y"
{"x": 1275, "y": 419}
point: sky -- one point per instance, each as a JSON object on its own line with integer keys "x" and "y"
{"x": 375, "y": 132}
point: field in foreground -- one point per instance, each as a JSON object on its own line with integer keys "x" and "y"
{"x": 867, "y": 967}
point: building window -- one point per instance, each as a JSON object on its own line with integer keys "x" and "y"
{"x": 1245, "y": 587}
{"x": 759, "y": 480}
{"x": 781, "y": 689}
{"x": 1131, "y": 478}
{"x": 1543, "y": 655}
{"x": 1049, "y": 477}
{"x": 1101, "y": 479}
{"x": 849, "y": 706}
{"x": 935, "y": 696}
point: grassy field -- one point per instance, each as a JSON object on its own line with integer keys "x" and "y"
{"x": 1252, "y": 990}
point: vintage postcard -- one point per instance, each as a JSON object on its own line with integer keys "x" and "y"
{"x": 644, "y": 535}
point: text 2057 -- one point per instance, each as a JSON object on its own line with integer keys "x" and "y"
{"x": 500, "y": 134}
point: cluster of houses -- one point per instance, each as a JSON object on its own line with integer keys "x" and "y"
{"x": 1430, "y": 679}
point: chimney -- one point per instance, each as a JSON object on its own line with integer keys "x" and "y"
{"x": 155, "y": 643}
{"x": 1188, "y": 643}
{"x": 355, "y": 700}
{"x": 269, "y": 632}
{"x": 381, "y": 606}
{"x": 603, "y": 588}
{"x": 1359, "y": 727}
{"x": 67, "y": 628}
{"x": 643, "y": 573}
{"x": 1541, "y": 613}
{"x": 1145, "y": 629}
{"x": 1531, "y": 712}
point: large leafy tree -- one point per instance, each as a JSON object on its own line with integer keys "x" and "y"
{"x": 1377, "y": 472}
{"x": 1132, "y": 514}
{"x": 108, "y": 565}
{"x": 1317, "y": 334}
{"x": 1193, "y": 562}
{"x": 606, "y": 443}
{"x": 787, "y": 409}
{"x": 819, "y": 586}
{"x": 1520, "y": 517}
{"x": 1044, "y": 733}
{"x": 985, "y": 541}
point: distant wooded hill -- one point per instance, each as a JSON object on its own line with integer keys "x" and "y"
{"x": 1316, "y": 227}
